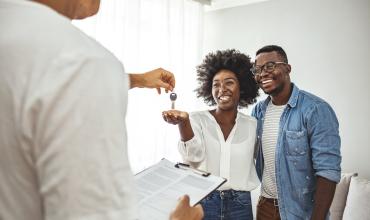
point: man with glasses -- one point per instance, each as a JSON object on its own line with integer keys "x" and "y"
{"x": 298, "y": 145}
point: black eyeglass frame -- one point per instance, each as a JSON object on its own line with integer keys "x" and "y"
{"x": 257, "y": 70}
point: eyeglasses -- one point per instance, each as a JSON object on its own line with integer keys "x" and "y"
{"x": 268, "y": 67}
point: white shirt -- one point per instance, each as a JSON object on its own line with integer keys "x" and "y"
{"x": 231, "y": 159}
{"x": 63, "y": 97}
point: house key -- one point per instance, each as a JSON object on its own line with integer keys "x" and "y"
{"x": 173, "y": 97}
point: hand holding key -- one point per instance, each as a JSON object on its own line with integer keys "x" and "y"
{"x": 173, "y": 97}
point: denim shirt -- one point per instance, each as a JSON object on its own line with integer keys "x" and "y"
{"x": 308, "y": 145}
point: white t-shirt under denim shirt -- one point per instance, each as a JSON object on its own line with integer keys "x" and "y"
{"x": 269, "y": 139}
{"x": 63, "y": 97}
{"x": 231, "y": 159}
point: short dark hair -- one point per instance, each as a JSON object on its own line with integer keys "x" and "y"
{"x": 234, "y": 61}
{"x": 271, "y": 48}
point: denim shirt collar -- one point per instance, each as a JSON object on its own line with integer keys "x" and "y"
{"x": 294, "y": 96}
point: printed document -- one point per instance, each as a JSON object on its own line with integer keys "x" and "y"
{"x": 161, "y": 185}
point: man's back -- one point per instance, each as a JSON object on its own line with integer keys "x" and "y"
{"x": 62, "y": 133}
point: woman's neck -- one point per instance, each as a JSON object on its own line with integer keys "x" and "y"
{"x": 225, "y": 117}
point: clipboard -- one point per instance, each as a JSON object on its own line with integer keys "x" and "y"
{"x": 161, "y": 185}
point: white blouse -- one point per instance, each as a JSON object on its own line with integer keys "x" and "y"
{"x": 231, "y": 159}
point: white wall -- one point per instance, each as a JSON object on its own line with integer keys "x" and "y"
{"x": 328, "y": 46}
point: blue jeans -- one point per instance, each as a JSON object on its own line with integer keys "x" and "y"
{"x": 228, "y": 205}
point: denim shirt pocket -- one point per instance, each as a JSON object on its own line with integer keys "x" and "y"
{"x": 296, "y": 143}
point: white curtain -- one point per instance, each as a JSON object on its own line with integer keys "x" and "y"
{"x": 146, "y": 34}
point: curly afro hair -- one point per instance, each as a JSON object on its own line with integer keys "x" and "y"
{"x": 234, "y": 61}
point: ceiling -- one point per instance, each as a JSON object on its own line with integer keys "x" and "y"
{"x": 221, "y": 4}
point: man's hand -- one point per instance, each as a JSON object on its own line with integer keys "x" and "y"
{"x": 183, "y": 211}
{"x": 158, "y": 78}
{"x": 325, "y": 190}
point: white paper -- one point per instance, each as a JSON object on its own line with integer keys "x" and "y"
{"x": 161, "y": 185}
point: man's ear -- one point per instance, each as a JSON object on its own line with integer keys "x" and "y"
{"x": 289, "y": 68}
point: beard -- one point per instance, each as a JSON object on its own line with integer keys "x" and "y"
{"x": 281, "y": 82}
{"x": 275, "y": 91}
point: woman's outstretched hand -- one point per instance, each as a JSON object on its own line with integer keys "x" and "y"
{"x": 175, "y": 116}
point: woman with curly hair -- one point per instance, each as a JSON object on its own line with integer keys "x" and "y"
{"x": 221, "y": 140}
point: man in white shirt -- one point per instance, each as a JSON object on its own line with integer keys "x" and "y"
{"x": 63, "y": 100}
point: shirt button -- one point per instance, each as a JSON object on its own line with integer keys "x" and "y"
{"x": 307, "y": 177}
